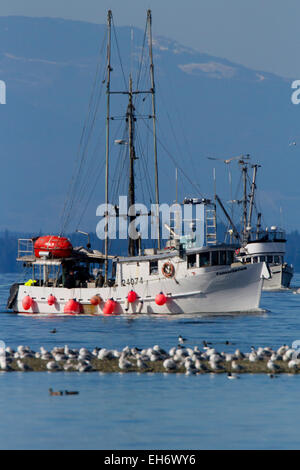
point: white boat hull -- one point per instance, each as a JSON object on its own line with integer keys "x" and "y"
{"x": 281, "y": 276}
{"x": 205, "y": 290}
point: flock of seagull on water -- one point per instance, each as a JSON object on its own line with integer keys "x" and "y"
{"x": 192, "y": 360}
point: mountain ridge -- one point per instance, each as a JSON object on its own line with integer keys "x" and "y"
{"x": 225, "y": 108}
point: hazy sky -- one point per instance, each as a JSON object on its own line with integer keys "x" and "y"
{"x": 262, "y": 34}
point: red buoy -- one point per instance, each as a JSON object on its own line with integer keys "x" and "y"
{"x": 109, "y": 307}
{"x": 57, "y": 247}
{"x": 72, "y": 307}
{"x": 51, "y": 300}
{"x": 95, "y": 300}
{"x": 132, "y": 296}
{"x": 160, "y": 299}
{"x": 27, "y": 302}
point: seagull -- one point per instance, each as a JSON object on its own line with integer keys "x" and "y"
{"x": 271, "y": 366}
{"x": 22, "y": 366}
{"x": 169, "y": 364}
{"x": 53, "y": 331}
{"x": 292, "y": 143}
{"x": 228, "y": 160}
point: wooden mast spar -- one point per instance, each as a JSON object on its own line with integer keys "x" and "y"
{"x": 130, "y": 118}
{"x": 109, "y": 18}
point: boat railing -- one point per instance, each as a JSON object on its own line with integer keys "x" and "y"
{"x": 25, "y": 247}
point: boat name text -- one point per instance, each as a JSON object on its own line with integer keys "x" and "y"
{"x": 220, "y": 273}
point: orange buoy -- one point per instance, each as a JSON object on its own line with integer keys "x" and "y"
{"x": 57, "y": 247}
{"x": 132, "y": 296}
{"x": 95, "y": 300}
{"x": 160, "y": 299}
{"x": 72, "y": 307}
{"x": 27, "y": 302}
{"x": 109, "y": 307}
{"x": 51, "y": 300}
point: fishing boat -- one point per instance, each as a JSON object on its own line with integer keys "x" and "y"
{"x": 191, "y": 274}
{"x": 262, "y": 245}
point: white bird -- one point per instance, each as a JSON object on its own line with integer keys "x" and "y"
{"x": 282, "y": 350}
{"x": 215, "y": 358}
{"x": 169, "y": 364}
{"x": 46, "y": 357}
{"x": 236, "y": 367}
{"x": 22, "y": 366}
{"x": 3, "y": 363}
{"x": 191, "y": 371}
{"x": 104, "y": 353}
{"x": 84, "y": 368}
{"x": 60, "y": 357}
{"x": 252, "y": 357}
{"x": 271, "y": 366}
{"x": 215, "y": 365}
{"x": 154, "y": 357}
{"x": 172, "y": 351}
{"x": 275, "y": 357}
{"x": 199, "y": 365}
{"x": 141, "y": 364}
{"x": 228, "y": 160}
{"x": 52, "y": 365}
{"x": 124, "y": 363}
{"x": 239, "y": 354}
{"x": 292, "y": 364}
{"x": 229, "y": 357}
{"x": 288, "y": 354}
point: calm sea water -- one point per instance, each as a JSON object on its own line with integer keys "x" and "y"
{"x": 144, "y": 411}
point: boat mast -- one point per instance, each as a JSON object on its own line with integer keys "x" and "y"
{"x": 251, "y": 202}
{"x": 109, "y": 17}
{"x": 235, "y": 231}
{"x": 258, "y": 225}
{"x": 245, "y": 201}
{"x": 130, "y": 118}
{"x": 149, "y": 21}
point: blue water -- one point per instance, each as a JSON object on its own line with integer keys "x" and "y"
{"x": 144, "y": 411}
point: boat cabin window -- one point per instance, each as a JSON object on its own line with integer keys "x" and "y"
{"x": 191, "y": 261}
{"x": 229, "y": 257}
{"x": 269, "y": 259}
{"x": 277, "y": 235}
{"x": 248, "y": 260}
{"x": 222, "y": 257}
{"x": 214, "y": 258}
{"x": 255, "y": 259}
{"x": 277, "y": 259}
{"x": 262, "y": 259}
{"x": 204, "y": 259}
{"x": 153, "y": 267}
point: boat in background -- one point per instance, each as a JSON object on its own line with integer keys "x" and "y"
{"x": 269, "y": 246}
{"x": 262, "y": 245}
